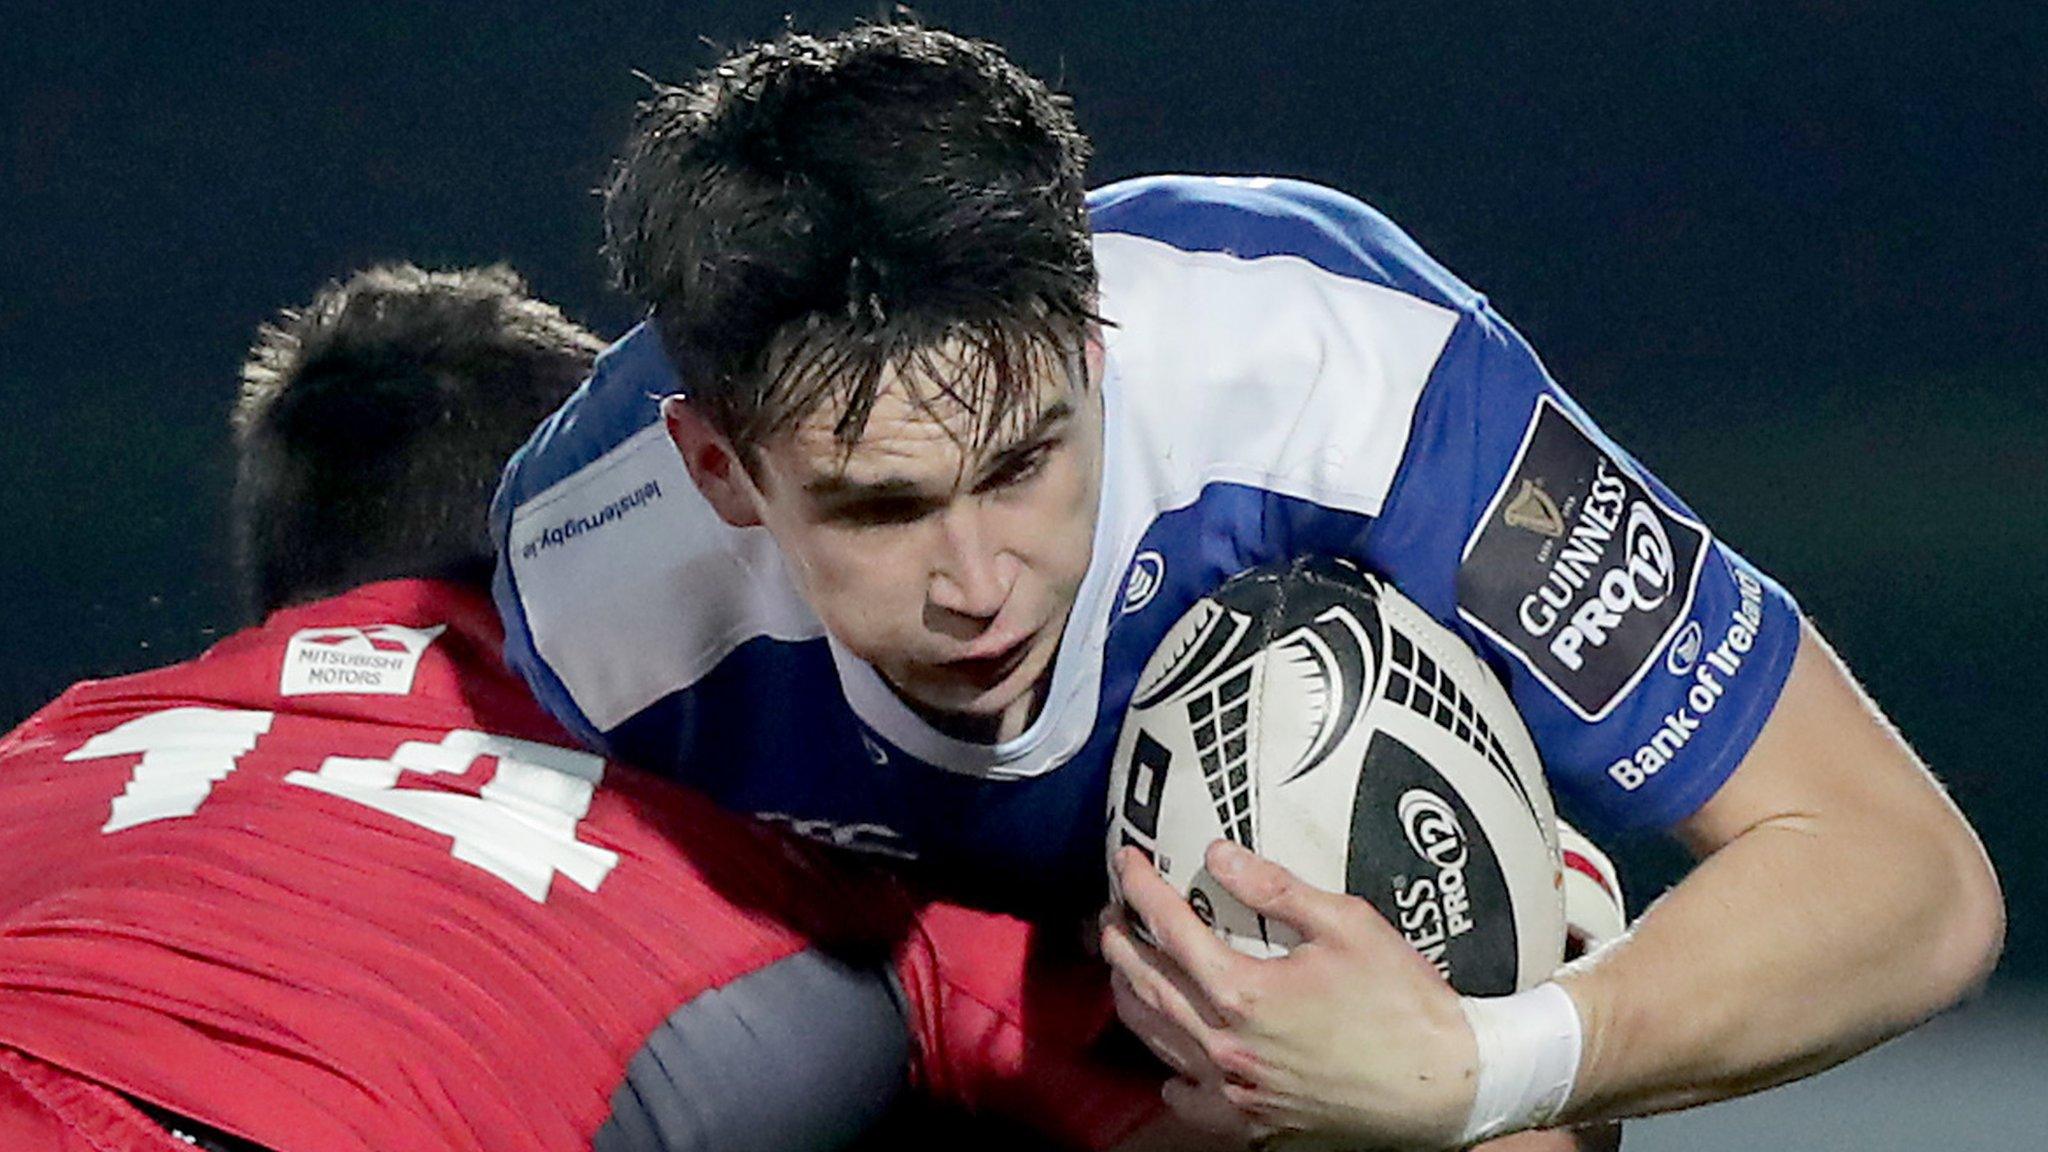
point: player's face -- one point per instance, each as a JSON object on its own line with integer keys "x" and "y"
{"x": 948, "y": 567}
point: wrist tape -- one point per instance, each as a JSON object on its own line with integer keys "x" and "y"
{"x": 1529, "y": 1047}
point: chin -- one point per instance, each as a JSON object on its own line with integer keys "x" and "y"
{"x": 1024, "y": 688}
{"x": 951, "y": 704}
{"x": 967, "y": 704}
{"x": 971, "y": 713}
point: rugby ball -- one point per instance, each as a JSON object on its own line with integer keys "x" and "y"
{"x": 1315, "y": 715}
{"x": 1595, "y": 911}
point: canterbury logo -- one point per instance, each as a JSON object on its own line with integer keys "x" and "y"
{"x": 1533, "y": 509}
{"x": 1148, "y": 572}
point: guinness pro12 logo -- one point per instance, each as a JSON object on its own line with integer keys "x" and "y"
{"x": 1577, "y": 567}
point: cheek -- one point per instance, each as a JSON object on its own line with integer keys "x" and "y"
{"x": 1062, "y": 523}
{"x": 862, "y": 584}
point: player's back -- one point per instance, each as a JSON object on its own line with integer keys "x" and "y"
{"x": 338, "y": 884}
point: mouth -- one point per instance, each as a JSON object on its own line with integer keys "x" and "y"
{"x": 981, "y": 673}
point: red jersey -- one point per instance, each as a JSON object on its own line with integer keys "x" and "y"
{"x": 338, "y": 885}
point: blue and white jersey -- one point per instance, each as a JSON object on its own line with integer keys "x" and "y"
{"x": 1287, "y": 373}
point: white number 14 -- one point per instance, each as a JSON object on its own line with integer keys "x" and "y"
{"x": 520, "y": 827}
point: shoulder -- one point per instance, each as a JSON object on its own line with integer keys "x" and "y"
{"x": 621, "y": 398}
{"x": 1227, "y": 277}
{"x": 1267, "y": 332}
{"x": 1259, "y": 218}
{"x": 596, "y": 511}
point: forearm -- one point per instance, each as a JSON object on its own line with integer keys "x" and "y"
{"x": 1171, "y": 1134}
{"x": 1811, "y": 931}
{"x": 1689, "y": 1009}
{"x": 1840, "y": 899}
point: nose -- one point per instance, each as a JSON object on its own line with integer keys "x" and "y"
{"x": 972, "y": 576}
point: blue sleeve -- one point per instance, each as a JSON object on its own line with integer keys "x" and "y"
{"x": 1644, "y": 653}
{"x": 621, "y": 398}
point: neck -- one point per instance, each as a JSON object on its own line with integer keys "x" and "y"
{"x": 989, "y": 729}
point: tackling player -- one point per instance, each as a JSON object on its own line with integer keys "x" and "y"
{"x": 926, "y": 447}
{"x": 337, "y": 885}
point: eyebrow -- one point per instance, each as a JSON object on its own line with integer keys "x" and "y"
{"x": 837, "y": 489}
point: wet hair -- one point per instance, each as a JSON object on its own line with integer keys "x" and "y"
{"x": 813, "y": 211}
{"x": 372, "y": 424}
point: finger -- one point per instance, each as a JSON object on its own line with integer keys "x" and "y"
{"x": 1277, "y": 894}
{"x": 1091, "y": 934}
{"x": 1181, "y": 934}
{"x": 1112, "y": 913}
{"x": 1258, "y": 1103}
{"x": 1159, "y": 981}
{"x": 1202, "y": 1104}
{"x": 1167, "y": 1040}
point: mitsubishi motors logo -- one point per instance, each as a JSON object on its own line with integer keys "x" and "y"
{"x": 375, "y": 660}
{"x": 376, "y": 637}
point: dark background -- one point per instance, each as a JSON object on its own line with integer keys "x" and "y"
{"x": 1792, "y": 254}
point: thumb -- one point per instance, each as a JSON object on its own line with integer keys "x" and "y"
{"x": 1277, "y": 894}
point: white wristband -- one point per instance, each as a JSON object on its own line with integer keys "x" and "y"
{"x": 1528, "y": 1059}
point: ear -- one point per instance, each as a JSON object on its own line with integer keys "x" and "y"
{"x": 713, "y": 462}
{"x": 1092, "y": 354}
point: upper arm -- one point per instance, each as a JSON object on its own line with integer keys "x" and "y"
{"x": 1828, "y": 757}
{"x": 1829, "y": 767}
{"x": 1826, "y": 749}
{"x": 1642, "y": 651}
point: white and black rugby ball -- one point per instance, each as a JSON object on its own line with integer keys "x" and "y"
{"x": 1313, "y": 714}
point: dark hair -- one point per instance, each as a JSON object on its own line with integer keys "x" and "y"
{"x": 812, "y": 211}
{"x": 372, "y": 425}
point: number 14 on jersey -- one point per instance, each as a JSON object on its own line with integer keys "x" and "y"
{"x": 520, "y": 827}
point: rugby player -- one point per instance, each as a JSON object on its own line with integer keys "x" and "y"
{"x": 338, "y": 885}
{"x": 871, "y": 525}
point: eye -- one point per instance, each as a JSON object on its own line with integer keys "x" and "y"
{"x": 881, "y": 511}
{"x": 1019, "y": 467}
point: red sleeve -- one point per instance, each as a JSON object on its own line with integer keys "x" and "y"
{"x": 1014, "y": 1020}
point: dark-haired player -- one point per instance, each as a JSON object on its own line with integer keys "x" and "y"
{"x": 338, "y": 885}
{"x": 872, "y": 525}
